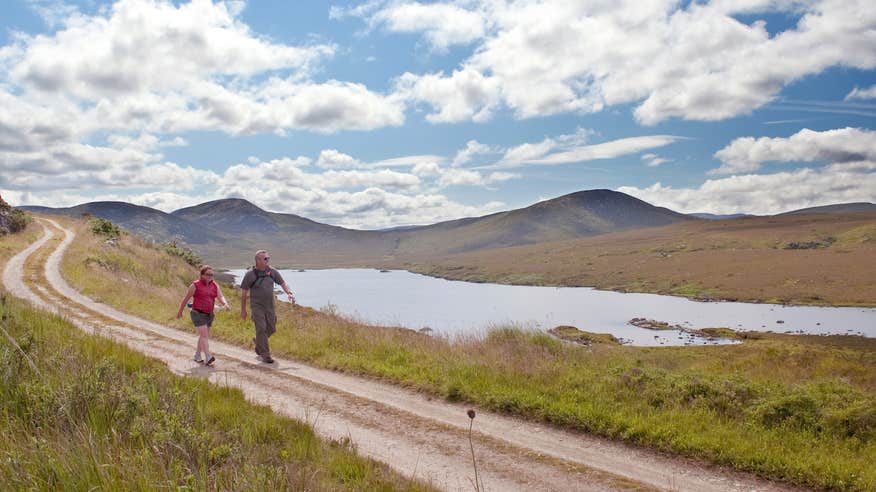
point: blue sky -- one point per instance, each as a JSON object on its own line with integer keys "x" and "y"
{"x": 384, "y": 113}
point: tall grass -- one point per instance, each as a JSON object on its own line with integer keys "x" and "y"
{"x": 93, "y": 414}
{"x": 801, "y": 409}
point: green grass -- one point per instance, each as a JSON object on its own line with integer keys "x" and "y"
{"x": 89, "y": 414}
{"x": 800, "y": 409}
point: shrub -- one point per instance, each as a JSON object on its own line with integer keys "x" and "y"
{"x": 103, "y": 227}
{"x": 18, "y": 220}
{"x": 189, "y": 256}
{"x": 798, "y": 410}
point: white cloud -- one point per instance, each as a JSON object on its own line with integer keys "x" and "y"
{"x": 866, "y": 93}
{"x": 332, "y": 159}
{"x": 149, "y": 65}
{"x": 472, "y": 149}
{"x": 358, "y": 179}
{"x": 408, "y": 160}
{"x": 147, "y": 45}
{"x": 426, "y": 169}
{"x": 766, "y": 194}
{"x": 443, "y": 25}
{"x": 841, "y": 145}
{"x": 526, "y": 152}
{"x": 559, "y": 151}
{"x": 653, "y": 160}
{"x": 465, "y": 177}
{"x": 696, "y": 61}
{"x": 53, "y": 12}
{"x": 466, "y": 94}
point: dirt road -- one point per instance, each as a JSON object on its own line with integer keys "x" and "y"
{"x": 418, "y": 436}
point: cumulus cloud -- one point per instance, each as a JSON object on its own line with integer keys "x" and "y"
{"x": 150, "y": 65}
{"x": 442, "y": 25}
{"x": 465, "y": 95}
{"x": 147, "y": 45}
{"x": 841, "y": 145}
{"x": 766, "y": 194}
{"x": 466, "y": 177}
{"x": 426, "y": 169}
{"x": 332, "y": 159}
{"x": 472, "y": 148}
{"x": 694, "y": 61}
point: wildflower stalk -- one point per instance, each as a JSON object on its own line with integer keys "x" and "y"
{"x": 471, "y": 416}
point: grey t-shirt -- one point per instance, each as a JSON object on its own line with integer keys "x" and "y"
{"x": 260, "y": 284}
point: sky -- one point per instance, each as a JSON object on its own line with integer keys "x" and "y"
{"x": 387, "y": 113}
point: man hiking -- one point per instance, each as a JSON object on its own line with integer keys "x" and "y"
{"x": 258, "y": 285}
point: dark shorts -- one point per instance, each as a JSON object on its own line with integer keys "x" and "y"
{"x": 201, "y": 319}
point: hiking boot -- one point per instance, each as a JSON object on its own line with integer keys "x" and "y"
{"x": 211, "y": 361}
{"x": 267, "y": 359}
{"x": 198, "y": 359}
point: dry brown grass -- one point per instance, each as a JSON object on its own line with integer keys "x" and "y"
{"x": 744, "y": 259}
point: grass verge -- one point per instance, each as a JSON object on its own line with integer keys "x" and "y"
{"x": 79, "y": 412}
{"x": 796, "y": 408}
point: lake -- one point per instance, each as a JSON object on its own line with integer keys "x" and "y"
{"x": 401, "y": 298}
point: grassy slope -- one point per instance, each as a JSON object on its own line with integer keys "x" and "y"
{"x": 90, "y": 412}
{"x": 801, "y": 409}
{"x": 743, "y": 259}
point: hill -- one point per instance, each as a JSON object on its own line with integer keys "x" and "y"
{"x": 580, "y": 214}
{"x": 704, "y": 215}
{"x": 227, "y": 232}
{"x": 292, "y": 239}
{"x": 149, "y": 223}
{"x": 840, "y": 208}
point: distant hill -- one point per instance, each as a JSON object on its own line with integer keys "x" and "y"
{"x": 720, "y": 216}
{"x": 228, "y": 231}
{"x": 840, "y": 208}
{"x": 291, "y": 239}
{"x": 149, "y": 223}
{"x": 580, "y": 214}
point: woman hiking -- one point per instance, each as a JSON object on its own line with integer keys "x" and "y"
{"x": 204, "y": 292}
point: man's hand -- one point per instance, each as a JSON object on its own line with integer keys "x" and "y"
{"x": 291, "y": 297}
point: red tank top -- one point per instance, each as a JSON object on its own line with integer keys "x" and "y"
{"x": 205, "y": 296}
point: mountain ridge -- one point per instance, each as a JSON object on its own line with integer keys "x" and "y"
{"x": 145, "y": 221}
{"x": 228, "y": 230}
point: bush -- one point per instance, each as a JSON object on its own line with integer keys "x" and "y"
{"x": 174, "y": 249}
{"x": 103, "y": 227}
{"x": 18, "y": 220}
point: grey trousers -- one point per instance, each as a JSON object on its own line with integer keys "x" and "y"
{"x": 265, "y": 326}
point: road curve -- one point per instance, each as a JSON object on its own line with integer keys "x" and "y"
{"x": 418, "y": 436}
